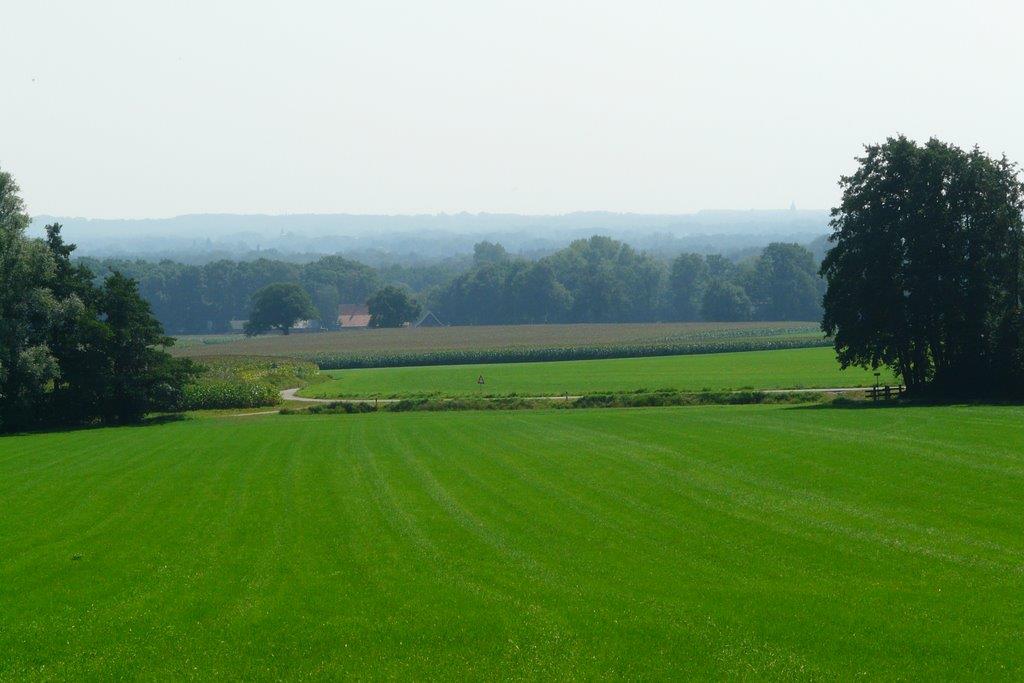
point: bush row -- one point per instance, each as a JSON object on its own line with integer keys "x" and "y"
{"x": 624, "y": 400}
{"x": 345, "y": 361}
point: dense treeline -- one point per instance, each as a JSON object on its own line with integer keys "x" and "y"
{"x": 73, "y": 350}
{"x": 206, "y": 298}
{"x": 604, "y": 280}
{"x": 592, "y": 280}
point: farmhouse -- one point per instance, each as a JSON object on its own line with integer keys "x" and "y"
{"x": 353, "y": 316}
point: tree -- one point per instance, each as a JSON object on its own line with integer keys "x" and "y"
{"x": 687, "y": 282}
{"x": 489, "y": 252}
{"x": 784, "y": 284}
{"x": 719, "y": 267}
{"x": 479, "y": 297}
{"x": 108, "y": 347}
{"x": 141, "y": 377}
{"x": 537, "y": 296}
{"x": 71, "y": 352}
{"x": 279, "y": 306}
{"x": 392, "y": 307}
{"x": 609, "y": 281}
{"x": 925, "y": 270}
{"x": 27, "y": 311}
{"x": 725, "y": 302}
{"x": 334, "y": 280}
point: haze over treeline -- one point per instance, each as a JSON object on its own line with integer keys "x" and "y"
{"x": 200, "y": 238}
{"x": 597, "y": 279}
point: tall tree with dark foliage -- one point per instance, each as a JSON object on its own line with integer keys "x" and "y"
{"x": 785, "y": 285}
{"x": 72, "y": 352}
{"x": 141, "y": 376}
{"x": 925, "y": 272}
{"x": 28, "y": 310}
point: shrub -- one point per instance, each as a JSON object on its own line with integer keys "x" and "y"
{"x": 213, "y": 393}
{"x": 346, "y": 407}
{"x": 624, "y": 400}
{"x": 245, "y": 381}
{"x": 283, "y": 373}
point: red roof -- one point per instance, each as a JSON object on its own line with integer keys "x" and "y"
{"x": 353, "y": 309}
{"x": 354, "y": 320}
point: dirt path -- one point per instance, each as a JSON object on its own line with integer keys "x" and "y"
{"x": 289, "y": 394}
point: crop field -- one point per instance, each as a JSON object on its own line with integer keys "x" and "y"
{"x": 508, "y": 343}
{"x": 714, "y": 541}
{"x": 783, "y": 369}
{"x": 246, "y": 381}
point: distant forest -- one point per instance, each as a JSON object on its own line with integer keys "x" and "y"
{"x": 376, "y": 240}
{"x": 598, "y": 279}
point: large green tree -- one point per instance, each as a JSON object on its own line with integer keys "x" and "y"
{"x": 27, "y": 309}
{"x": 725, "y": 301}
{"x": 109, "y": 349}
{"x": 392, "y": 307}
{"x": 688, "y": 279}
{"x": 784, "y": 283}
{"x": 925, "y": 270}
{"x": 537, "y": 296}
{"x": 141, "y": 377}
{"x": 279, "y": 306}
{"x": 72, "y": 352}
{"x": 609, "y": 281}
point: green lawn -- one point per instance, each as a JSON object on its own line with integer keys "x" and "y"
{"x": 785, "y": 369}
{"x": 715, "y": 541}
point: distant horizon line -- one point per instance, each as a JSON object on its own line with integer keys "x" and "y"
{"x": 581, "y": 212}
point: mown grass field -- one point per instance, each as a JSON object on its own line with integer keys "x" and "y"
{"x": 429, "y": 346}
{"x": 782, "y": 369}
{"x": 743, "y": 542}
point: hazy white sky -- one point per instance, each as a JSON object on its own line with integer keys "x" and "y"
{"x": 146, "y": 109}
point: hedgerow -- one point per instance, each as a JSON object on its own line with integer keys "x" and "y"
{"x": 614, "y": 400}
{"x": 349, "y": 360}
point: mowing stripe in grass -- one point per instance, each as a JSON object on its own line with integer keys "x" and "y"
{"x": 710, "y": 541}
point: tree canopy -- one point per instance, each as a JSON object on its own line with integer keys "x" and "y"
{"x": 785, "y": 283}
{"x": 279, "y": 306}
{"x": 725, "y": 301}
{"x": 925, "y": 270}
{"x": 72, "y": 351}
{"x": 591, "y": 280}
{"x": 392, "y": 307}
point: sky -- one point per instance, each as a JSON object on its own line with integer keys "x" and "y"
{"x": 152, "y": 109}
